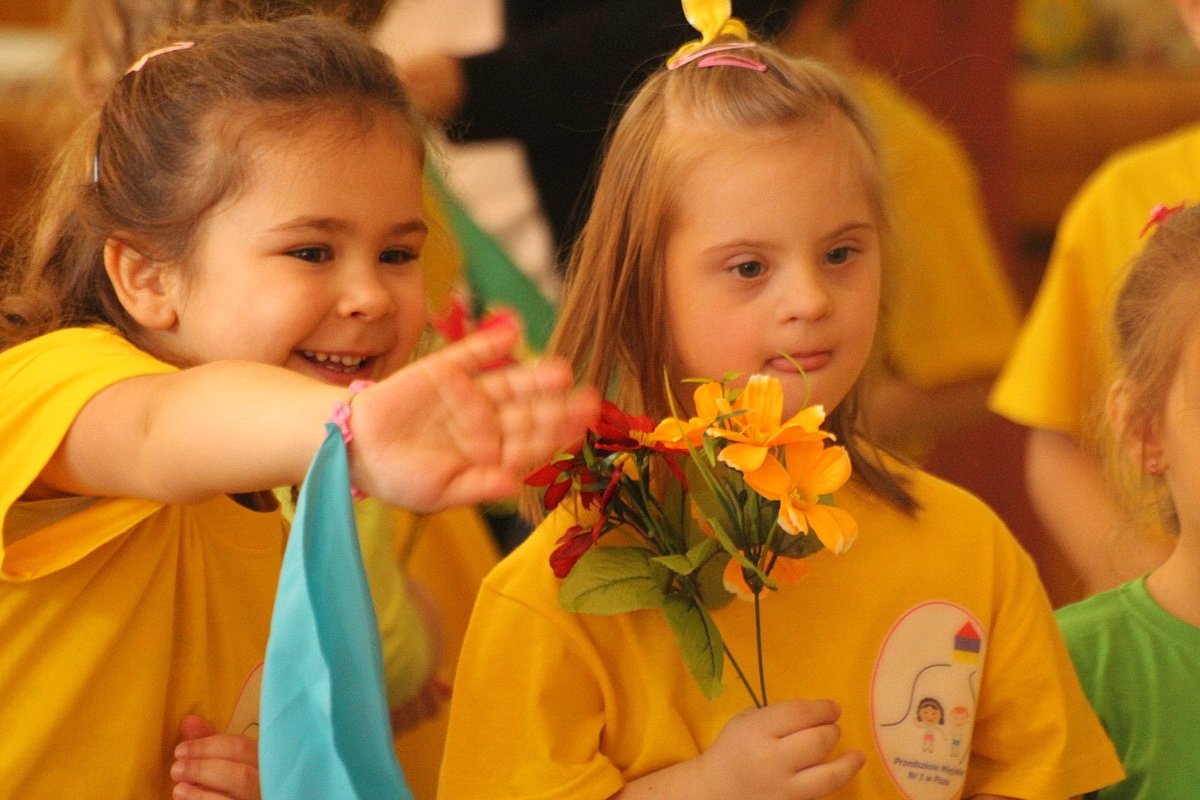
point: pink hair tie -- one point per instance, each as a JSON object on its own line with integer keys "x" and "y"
{"x": 341, "y": 418}
{"x": 171, "y": 48}
{"x": 1158, "y": 215}
{"x": 709, "y": 57}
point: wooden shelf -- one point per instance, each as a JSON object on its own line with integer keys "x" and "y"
{"x": 1065, "y": 124}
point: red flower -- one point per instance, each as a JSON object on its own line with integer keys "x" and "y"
{"x": 617, "y": 430}
{"x": 456, "y": 323}
{"x": 571, "y": 547}
{"x": 565, "y": 472}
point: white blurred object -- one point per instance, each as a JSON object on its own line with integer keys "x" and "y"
{"x": 490, "y": 178}
{"x": 28, "y": 54}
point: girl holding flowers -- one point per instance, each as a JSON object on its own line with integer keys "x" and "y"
{"x": 738, "y": 233}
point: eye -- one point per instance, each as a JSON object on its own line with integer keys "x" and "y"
{"x": 840, "y": 255}
{"x": 750, "y": 269}
{"x": 398, "y": 255}
{"x": 315, "y": 255}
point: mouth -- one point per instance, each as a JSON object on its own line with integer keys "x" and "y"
{"x": 810, "y": 361}
{"x": 336, "y": 365}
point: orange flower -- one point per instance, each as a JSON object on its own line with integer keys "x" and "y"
{"x": 810, "y": 470}
{"x": 757, "y": 428}
{"x": 677, "y": 434}
{"x": 786, "y": 570}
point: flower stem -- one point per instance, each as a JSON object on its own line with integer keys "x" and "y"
{"x": 762, "y": 678}
{"x": 742, "y": 675}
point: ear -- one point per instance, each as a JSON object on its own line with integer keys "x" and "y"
{"x": 145, "y": 287}
{"x": 1137, "y": 433}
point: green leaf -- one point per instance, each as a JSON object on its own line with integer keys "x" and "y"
{"x": 687, "y": 563}
{"x": 699, "y": 643}
{"x": 709, "y": 581}
{"x": 613, "y": 580}
{"x": 798, "y": 546}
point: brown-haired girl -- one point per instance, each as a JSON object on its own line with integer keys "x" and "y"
{"x": 225, "y": 251}
{"x": 1136, "y": 646}
{"x": 738, "y": 228}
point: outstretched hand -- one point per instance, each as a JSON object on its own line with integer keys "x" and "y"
{"x": 476, "y": 434}
{"x": 214, "y": 766}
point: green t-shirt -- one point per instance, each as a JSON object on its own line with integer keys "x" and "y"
{"x": 1140, "y": 667}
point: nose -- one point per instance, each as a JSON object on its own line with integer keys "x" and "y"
{"x": 364, "y": 295}
{"x": 805, "y": 294}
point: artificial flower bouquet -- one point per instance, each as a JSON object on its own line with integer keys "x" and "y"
{"x": 724, "y": 504}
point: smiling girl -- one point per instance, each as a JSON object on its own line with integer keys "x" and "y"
{"x": 231, "y": 243}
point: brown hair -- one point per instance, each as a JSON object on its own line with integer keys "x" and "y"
{"x": 172, "y": 141}
{"x": 105, "y": 36}
{"x": 613, "y": 319}
{"x": 1153, "y": 318}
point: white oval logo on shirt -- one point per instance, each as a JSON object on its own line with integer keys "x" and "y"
{"x": 923, "y": 697}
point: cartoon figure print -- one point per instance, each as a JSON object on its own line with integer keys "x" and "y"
{"x": 930, "y": 717}
{"x": 923, "y": 696}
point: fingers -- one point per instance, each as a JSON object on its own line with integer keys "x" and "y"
{"x": 215, "y": 766}
{"x": 473, "y": 351}
{"x": 207, "y": 778}
{"x": 824, "y": 779}
{"x": 195, "y": 727}
{"x": 789, "y": 716}
{"x": 222, "y": 746}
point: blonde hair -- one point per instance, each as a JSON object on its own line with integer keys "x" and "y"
{"x": 613, "y": 324}
{"x": 1153, "y": 318}
{"x": 172, "y": 141}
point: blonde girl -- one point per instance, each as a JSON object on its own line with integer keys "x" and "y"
{"x": 231, "y": 242}
{"x": 1136, "y": 646}
{"x": 739, "y": 226}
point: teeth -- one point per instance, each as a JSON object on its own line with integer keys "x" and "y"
{"x": 347, "y": 361}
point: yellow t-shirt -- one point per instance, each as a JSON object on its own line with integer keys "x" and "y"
{"x": 126, "y": 614}
{"x": 943, "y": 606}
{"x": 951, "y": 313}
{"x": 1057, "y": 375}
{"x": 449, "y": 554}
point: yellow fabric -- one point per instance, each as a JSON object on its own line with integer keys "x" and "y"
{"x": 1057, "y": 375}
{"x": 550, "y": 704}
{"x": 952, "y": 314}
{"x": 449, "y": 554}
{"x": 123, "y": 617}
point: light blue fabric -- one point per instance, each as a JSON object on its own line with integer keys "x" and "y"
{"x": 325, "y": 731}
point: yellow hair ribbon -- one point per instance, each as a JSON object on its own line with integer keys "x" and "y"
{"x": 712, "y": 18}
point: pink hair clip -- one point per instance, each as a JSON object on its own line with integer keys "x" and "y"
{"x": 1158, "y": 215}
{"x": 171, "y": 48}
{"x": 711, "y": 57}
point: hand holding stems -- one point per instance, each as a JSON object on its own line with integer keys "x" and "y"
{"x": 214, "y": 766}
{"x": 777, "y": 752}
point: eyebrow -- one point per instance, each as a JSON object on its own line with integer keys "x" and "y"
{"x": 336, "y": 225}
{"x": 751, "y": 243}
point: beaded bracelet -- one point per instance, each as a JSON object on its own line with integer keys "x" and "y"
{"x": 341, "y": 418}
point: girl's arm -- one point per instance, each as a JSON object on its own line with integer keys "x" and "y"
{"x": 1067, "y": 489}
{"x": 432, "y": 435}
